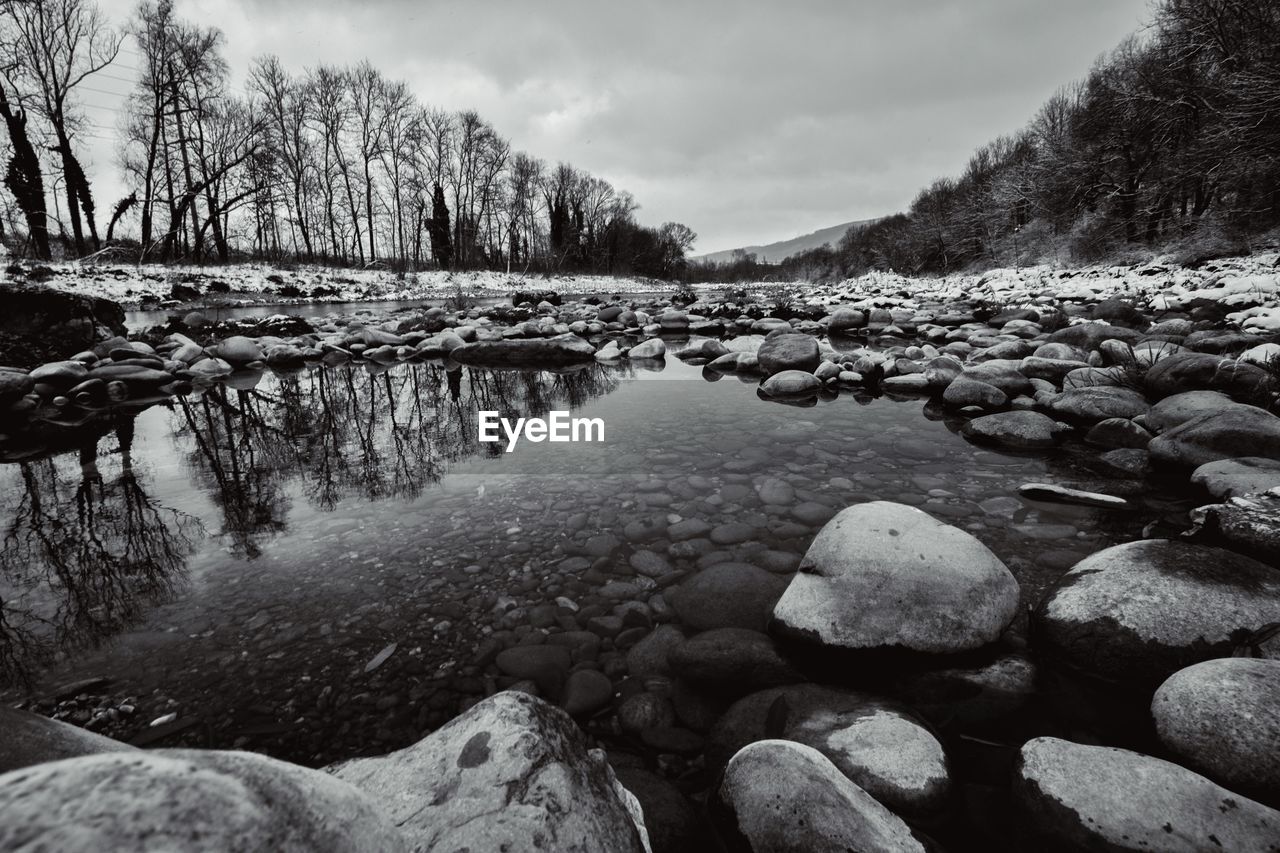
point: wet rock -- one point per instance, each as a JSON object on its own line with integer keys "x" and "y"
{"x": 509, "y": 770}
{"x": 650, "y": 564}
{"x": 1077, "y": 797}
{"x": 1246, "y": 475}
{"x": 1137, "y": 613}
{"x": 964, "y": 391}
{"x": 727, "y": 595}
{"x": 1089, "y": 336}
{"x": 789, "y": 351}
{"x": 1219, "y": 435}
{"x": 734, "y": 659}
{"x": 238, "y": 350}
{"x": 188, "y": 800}
{"x": 1017, "y": 429}
{"x": 845, "y": 319}
{"x": 669, "y": 816}
{"x": 545, "y": 665}
{"x": 649, "y": 657}
{"x": 969, "y": 695}
{"x": 34, "y": 739}
{"x": 791, "y": 383}
{"x": 885, "y": 576}
{"x": 1061, "y": 494}
{"x": 1098, "y": 403}
{"x": 779, "y": 795}
{"x": 1180, "y": 408}
{"x": 1195, "y": 371}
{"x": 585, "y": 692}
{"x": 1221, "y": 718}
{"x": 652, "y": 348}
{"x": 1114, "y": 433}
{"x": 530, "y": 352}
{"x": 645, "y": 711}
{"x": 1249, "y": 525}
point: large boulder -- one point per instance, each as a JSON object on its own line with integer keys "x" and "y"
{"x": 1197, "y": 371}
{"x": 964, "y": 391}
{"x": 1137, "y": 613}
{"x": 1178, "y": 409}
{"x": 1078, "y": 797}
{"x": 789, "y": 351}
{"x": 1219, "y": 435}
{"x": 845, "y": 320}
{"x": 790, "y": 383}
{"x": 1000, "y": 373}
{"x": 885, "y": 576}
{"x": 510, "y": 774}
{"x": 1030, "y": 430}
{"x": 238, "y": 350}
{"x": 1098, "y": 403}
{"x": 531, "y": 352}
{"x": 188, "y": 800}
{"x": 734, "y": 659}
{"x": 1089, "y": 336}
{"x": 1222, "y": 718}
{"x": 777, "y": 795}
{"x": 1246, "y": 475}
{"x": 33, "y": 739}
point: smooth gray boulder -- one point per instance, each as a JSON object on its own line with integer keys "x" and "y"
{"x": 1077, "y": 797}
{"x": 777, "y": 795}
{"x": 1029, "y": 430}
{"x": 1222, "y": 718}
{"x": 1219, "y": 435}
{"x": 789, "y": 351}
{"x": 34, "y": 739}
{"x": 886, "y": 576}
{"x": 1177, "y": 409}
{"x": 1136, "y": 613}
{"x": 790, "y": 383}
{"x": 511, "y": 773}
{"x": 1243, "y": 475}
{"x": 1098, "y": 403}
{"x": 525, "y": 352}
{"x": 188, "y": 800}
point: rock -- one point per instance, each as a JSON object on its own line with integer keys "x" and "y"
{"x": 1221, "y": 718}
{"x": 650, "y": 564}
{"x": 1249, "y": 525}
{"x": 14, "y": 385}
{"x": 1114, "y": 433}
{"x": 1194, "y": 371}
{"x": 238, "y": 350}
{"x": 34, "y": 739}
{"x": 188, "y": 800}
{"x": 963, "y": 696}
{"x": 649, "y": 657}
{"x": 545, "y": 665}
{"x": 1098, "y": 403}
{"x": 1000, "y": 373}
{"x": 40, "y": 324}
{"x": 1245, "y": 475}
{"x": 1219, "y": 435}
{"x": 882, "y": 576}
{"x": 585, "y": 692}
{"x": 670, "y": 818}
{"x": 609, "y": 352}
{"x": 734, "y": 659}
{"x": 1017, "y": 429}
{"x": 964, "y": 391}
{"x": 531, "y": 352}
{"x": 509, "y": 770}
{"x": 1078, "y": 797}
{"x": 846, "y": 319}
{"x": 791, "y": 383}
{"x": 776, "y": 795}
{"x": 1061, "y": 494}
{"x": 652, "y": 348}
{"x": 727, "y": 595}
{"x": 1137, "y": 613}
{"x": 1089, "y": 336}
{"x": 1050, "y": 369}
{"x": 789, "y": 351}
{"x": 1180, "y": 408}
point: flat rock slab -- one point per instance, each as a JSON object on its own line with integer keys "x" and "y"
{"x": 534, "y": 352}
{"x": 1062, "y": 494}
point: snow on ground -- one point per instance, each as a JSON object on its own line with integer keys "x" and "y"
{"x": 131, "y": 285}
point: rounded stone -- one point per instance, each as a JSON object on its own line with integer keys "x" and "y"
{"x": 735, "y": 658}
{"x": 727, "y": 595}
{"x": 1245, "y": 475}
{"x": 1222, "y": 718}
{"x": 789, "y": 351}
{"x": 882, "y": 576}
{"x": 1030, "y": 430}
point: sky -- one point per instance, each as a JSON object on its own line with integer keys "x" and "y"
{"x": 750, "y": 122}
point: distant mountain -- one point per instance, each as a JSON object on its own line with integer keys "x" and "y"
{"x": 775, "y": 252}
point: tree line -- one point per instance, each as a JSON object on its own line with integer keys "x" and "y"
{"x": 335, "y": 165}
{"x": 1171, "y": 140}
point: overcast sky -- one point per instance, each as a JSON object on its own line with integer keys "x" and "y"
{"x": 749, "y": 122}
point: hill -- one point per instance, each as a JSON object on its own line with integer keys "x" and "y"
{"x": 774, "y": 252}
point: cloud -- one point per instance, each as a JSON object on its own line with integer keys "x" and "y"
{"x": 749, "y": 121}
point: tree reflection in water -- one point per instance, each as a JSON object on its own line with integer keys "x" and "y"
{"x": 84, "y": 554}
{"x": 88, "y": 551}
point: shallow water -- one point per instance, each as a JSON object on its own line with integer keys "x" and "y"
{"x": 241, "y": 556}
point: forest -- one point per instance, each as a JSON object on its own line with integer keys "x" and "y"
{"x": 333, "y": 165}
{"x": 1171, "y": 142}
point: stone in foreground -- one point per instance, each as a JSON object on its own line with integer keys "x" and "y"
{"x": 513, "y": 773}
{"x": 188, "y": 800}
{"x": 34, "y": 739}
{"x": 1137, "y": 613}
{"x": 1077, "y": 797}
{"x": 885, "y": 576}
{"x": 782, "y": 796}
{"x": 1222, "y": 718}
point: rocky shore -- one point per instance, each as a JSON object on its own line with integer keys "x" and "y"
{"x": 849, "y": 701}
